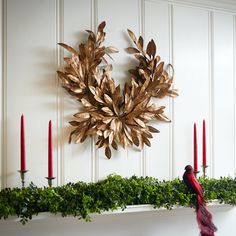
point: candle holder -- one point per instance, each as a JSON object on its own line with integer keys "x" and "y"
{"x": 50, "y": 179}
{"x": 204, "y": 171}
{"x": 195, "y": 173}
{"x": 22, "y": 176}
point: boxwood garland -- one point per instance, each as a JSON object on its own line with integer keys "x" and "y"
{"x": 80, "y": 199}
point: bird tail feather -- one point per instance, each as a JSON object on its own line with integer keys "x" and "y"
{"x": 204, "y": 219}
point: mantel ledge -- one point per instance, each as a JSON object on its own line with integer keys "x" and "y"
{"x": 127, "y": 210}
{"x": 149, "y": 207}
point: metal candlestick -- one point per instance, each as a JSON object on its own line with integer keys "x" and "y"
{"x": 22, "y": 176}
{"x": 195, "y": 173}
{"x": 204, "y": 170}
{"x": 50, "y": 179}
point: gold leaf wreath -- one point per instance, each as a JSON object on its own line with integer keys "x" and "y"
{"x": 112, "y": 115}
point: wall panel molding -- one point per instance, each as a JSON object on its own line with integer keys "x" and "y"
{"x": 60, "y": 93}
{"x": 192, "y": 80}
{"x": 211, "y": 91}
{"x": 80, "y": 160}
{"x": 94, "y": 149}
{"x": 223, "y": 95}
{"x": 119, "y": 16}
{"x": 234, "y": 77}
{"x": 158, "y": 26}
{"x": 171, "y": 101}
{"x": 227, "y": 6}
{"x": 141, "y": 11}
{"x": 3, "y": 162}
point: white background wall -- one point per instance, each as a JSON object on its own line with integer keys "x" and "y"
{"x": 197, "y": 37}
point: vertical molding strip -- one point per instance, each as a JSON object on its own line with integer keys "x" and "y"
{"x": 1, "y": 94}
{"x": 141, "y": 14}
{"x": 4, "y": 95}
{"x": 211, "y": 90}
{"x": 60, "y": 95}
{"x": 234, "y": 78}
{"x": 171, "y": 101}
{"x": 94, "y": 150}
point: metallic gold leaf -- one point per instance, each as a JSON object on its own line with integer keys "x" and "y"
{"x": 111, "y": 49}
{"x": 74, "y": 123}
{"x": 101, "y": 26}
{"x": 68, "y": 48}
{"x": 106, "y": 133}
{"x": 132, "y": 50}
{"x": 108, "y": 111}
{"x": 140, "y": 43}
{"x": 146, "y": 141}
{"x": 135, "y": 138}
{"x": 107, "y": 99}
{"x": 173, "y": 92}
{"x": 132, "y": 35}
{"x": 158, "y": 70}
{"x": 113, "y": 125}
{"x": 77, "y": 90}
{"x": 92, "y": 90}
{"x": 128, "y": 135}
{"x": 114, "y": 145}
{"x": 98, "y": 99}
{"x": 162, "y": 117}
{"x": 139, "y": 122}
{"x": 85, "y": 102}
{"x": 81, "y": 116}
{"x": 108, "y": 152}
{"x": 111, "y": 137}
{"x": 151, "y": 48}
{"x": 107, "y": 120}
{"x": 152, "y": 129}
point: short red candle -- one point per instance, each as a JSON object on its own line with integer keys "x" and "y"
{"x": 22, "y": 144}
{"x": 195, "y": 160}
{"x": 50, "y": 164}
{"x": 204, "y": 143}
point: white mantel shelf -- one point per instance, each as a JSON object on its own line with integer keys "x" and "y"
{"x": 139, "y": 220}
{"x": 134, "y": 209}
{"x": 150, "y": 208}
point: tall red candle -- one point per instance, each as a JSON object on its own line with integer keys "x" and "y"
{"x": 204, "y": 143}
{"x": 195, "y": 158}
{"x": 22, "y": 144}
{"x": 50, "y": 164}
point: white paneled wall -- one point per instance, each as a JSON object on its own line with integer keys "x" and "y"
{"x": 223, "y": 94}
{"x": 190, "y": 59}
{"x": 30, "y": 85}
{"x": 125, "y": 162}
{"x": 1, "y": 97}
{"x": 158, "y": 25}
{"x": 77, "y": 159}
{"x": 196, "y": 38}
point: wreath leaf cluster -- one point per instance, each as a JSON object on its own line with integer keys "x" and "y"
{"x": 81, "y": 199}
{"x": 112, "y": 114}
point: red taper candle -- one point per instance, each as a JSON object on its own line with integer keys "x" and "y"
{"x": 204, "y": 143}
{"x": 22, "y": 144}
{"x": 50, "y": 164}
{"x": 195, "y": 158}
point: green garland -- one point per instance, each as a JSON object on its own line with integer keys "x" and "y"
{"x": 80, "y": 199}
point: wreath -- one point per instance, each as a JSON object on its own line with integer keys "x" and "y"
{"x": 112, "y": 114}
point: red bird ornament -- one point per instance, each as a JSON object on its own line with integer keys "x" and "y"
{"x": 204, "y": 217}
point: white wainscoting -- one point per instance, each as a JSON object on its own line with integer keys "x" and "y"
{"x": 197, "y": 40}
{"x": 197, "y": 37}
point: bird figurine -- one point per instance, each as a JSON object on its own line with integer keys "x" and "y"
{"x": 204, "y": 217}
